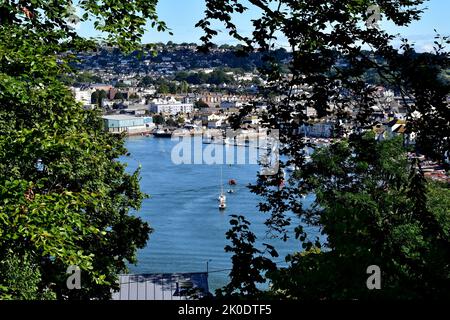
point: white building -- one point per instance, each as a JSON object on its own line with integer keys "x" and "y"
{"x": 231, "y": 104}
{"x": 246, "y": 77}
{"x": 216, "y": 120}
{"x": 170, "y": 106}
{"x": 82, "y": 95}
{"x": 129, "y": 124}
{"x": 147, "y": 91}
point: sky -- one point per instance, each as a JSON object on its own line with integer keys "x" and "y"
{"x": 182, "y": 15}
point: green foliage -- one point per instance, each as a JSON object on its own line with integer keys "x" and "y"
{"x": 123, "y": 22}
{"x": 164, "y": 89}
{"x": 369, "y": 215}
{"x": 216, "y": 77}
{"x": 133, "y": 96}
{"x": 171, "y": 122}
{"x": 201, "y": 104}
{"x": 98, "y": 96}
{"x": 64, "y": 198}
{"x": 87, "y": 77}
{"x": 247, "y": 267}
{"x": 372, "y": 203}
{"x": 120, "y": 85}
{"x": 119, "y": 96}
{"x": 158, "y": 119}
{"x": 21, "y": 279}
{"x": 181, "y": 120}
{"x": 146, "y": 81}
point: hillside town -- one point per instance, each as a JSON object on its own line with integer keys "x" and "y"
{"x": 227, "y": 158}
{"x": 157, "y": 94}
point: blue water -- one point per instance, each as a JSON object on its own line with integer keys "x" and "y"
{"x": 183, "y": 210}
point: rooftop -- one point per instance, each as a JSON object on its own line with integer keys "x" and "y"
{"x": 119, "y": 117}
{"x": 164, "y": 286}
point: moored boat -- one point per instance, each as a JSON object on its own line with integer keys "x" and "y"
{"x": 162, "y": 133}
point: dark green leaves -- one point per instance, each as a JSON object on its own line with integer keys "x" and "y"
{"x": 74, "y": 210}
{"x": 248, "y": 262}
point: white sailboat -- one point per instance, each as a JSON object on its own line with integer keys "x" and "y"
{"x": 222, "y": 205}
{"x": 222, "y": 197}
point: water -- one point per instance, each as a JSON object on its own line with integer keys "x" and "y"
{"x": 189, "y": 229}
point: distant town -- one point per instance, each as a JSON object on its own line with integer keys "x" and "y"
{"x": 173, "y": 86}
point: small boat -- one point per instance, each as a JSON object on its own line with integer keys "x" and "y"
{"x": 222, "y": 205}
{"x": 230, "y": 191}
{"x": 162, "y": 133}
{"x": 222, "y": 197}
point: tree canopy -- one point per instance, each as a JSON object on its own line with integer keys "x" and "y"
{"x": 372, "y": 203}
{"x": 64, "y": 198}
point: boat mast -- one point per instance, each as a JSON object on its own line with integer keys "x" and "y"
{"x": 221, "y": 180}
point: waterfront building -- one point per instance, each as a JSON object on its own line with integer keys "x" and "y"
{"x": 125, "y": 123}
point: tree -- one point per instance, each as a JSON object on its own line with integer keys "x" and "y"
{"x": 87, "y": 77}
{"x": 134, "y": 96}
{"x": 68, "y": 80}
{"x": 247, "y": 267}
{"x": 173, "y": 88}
{"x": 95, "y": 97}
{"x": 164, "y": 88}
{"x": 181, "y": 76}
{"x": 120, "y": 85}
{"x": 146, "y": 81}
{"x": 98, "y": 96}
{"x": 200, "y": 104}
{"x": 171, "y": 122}
{"x": 64, "y": 198}
{"x": 119, "y": 96}
{"x": 368, "y": 212}
{"x": 184, "y": 87}
{"x": 13, "y": 270}
{"x": 158, "y": 119}
{"x": 370, "y": 216}
{"x": 219, "y": 77}
{"x": 181, "y": 120}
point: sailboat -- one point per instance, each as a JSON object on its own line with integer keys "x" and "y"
{"x": 222, "y": 205}
{"x": 222, "y": 198}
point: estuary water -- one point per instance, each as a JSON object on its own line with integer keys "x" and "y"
{"x": 189, "y": 229}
